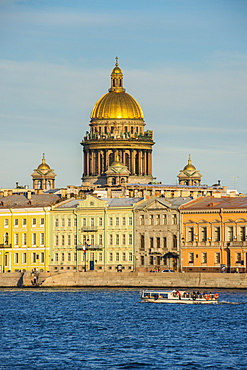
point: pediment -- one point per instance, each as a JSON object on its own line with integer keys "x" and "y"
{"x": 92, "y": 202}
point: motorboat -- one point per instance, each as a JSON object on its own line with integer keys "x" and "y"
{"x": 178, "y": 296}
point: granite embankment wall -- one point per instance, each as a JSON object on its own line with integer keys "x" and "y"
{"x": 131, "y": 279}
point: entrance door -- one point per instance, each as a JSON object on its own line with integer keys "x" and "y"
{"x": 91, "y": 265}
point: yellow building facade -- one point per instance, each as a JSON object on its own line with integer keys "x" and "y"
{"x": 24, "y": 232}
{"x": 214, "y": 234}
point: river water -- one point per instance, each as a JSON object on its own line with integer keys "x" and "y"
{"x": 111, "y": 329}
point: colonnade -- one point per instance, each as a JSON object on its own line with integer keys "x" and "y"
{"x": 97, "y": 161}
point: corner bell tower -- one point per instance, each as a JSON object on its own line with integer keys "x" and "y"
{"x": 117, "y": 134}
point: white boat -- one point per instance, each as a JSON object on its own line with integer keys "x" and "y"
{"x": 178, "y": 296}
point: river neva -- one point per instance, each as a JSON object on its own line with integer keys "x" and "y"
{"x": 111, "y": 329}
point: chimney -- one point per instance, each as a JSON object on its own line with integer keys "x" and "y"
{"x": 29, "y": 194}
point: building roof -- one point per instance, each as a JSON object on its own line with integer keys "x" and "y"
{"x": 216, "y": 203}
{"x": 111, "y": 202}
{"x": 172, "y": 203}
{"x": 21, "y": 201}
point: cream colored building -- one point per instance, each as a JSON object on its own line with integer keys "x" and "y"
{"x": 93, "y": 234}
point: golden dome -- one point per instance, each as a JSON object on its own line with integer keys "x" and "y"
{"x": 117, "y": 104}
{"x": 189, "y": 166}
{"x": 43, "y": 165}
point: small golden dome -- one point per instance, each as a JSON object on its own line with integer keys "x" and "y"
{"x": 43, "y": 165}
{"x": 117, "y": 104}
{"x": 189, "y": 166}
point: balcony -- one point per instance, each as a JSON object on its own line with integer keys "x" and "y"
{"x": 90, "y": 247}
{"x": 3, "y": 246}
{"x": 89, "y": 229}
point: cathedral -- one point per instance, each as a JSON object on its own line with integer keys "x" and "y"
{"x": 117, "y": 148}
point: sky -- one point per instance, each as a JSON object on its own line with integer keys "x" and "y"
{"x": 184, "y": 61}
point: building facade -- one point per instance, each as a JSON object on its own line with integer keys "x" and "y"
{"x": 117, "y": 134}
{"x": 214, "y": 234}
{"x": 24, "y": 232}
{"x": 93, "y": 234}
{"x": 157, "y": 234}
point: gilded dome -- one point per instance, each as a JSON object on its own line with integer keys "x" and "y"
{"x": 189, "y": 166}
{"x": 44, "y": 165}
{"x": 117, "y": 104}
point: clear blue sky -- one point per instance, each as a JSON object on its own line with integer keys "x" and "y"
{"x": 184, "y": 61}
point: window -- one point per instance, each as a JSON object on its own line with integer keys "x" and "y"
{"x": 191, "y": 257}
{"x": 130, "y": 239}
{"x": 42, "y": 238}
{"x": 204, "y": 257}
{"x": 42, "y": 257}
{"x": 238, "y": 257}
{"x": 174, "y": 242}
{"x": 56, "y": 257}
{"x": 174, "y": 219}
{"x": 164, "y": 242}
{"x": 230, "y": 233}
{"x": 6, "y": 222}
{"x": 69, "y": 256}
{"x": 117, "y": 239}
{"x": 242, "y": 234}
{"x": 164, "y": 220}
{"x": 151, "y": 260}
{"x": 24, "y": 222}
{"x": 117, "y": 256}
{"x": 142, "y": 242}
{"x": 16, "y": 222}
{"x": 16, "y": 239}
{"x": 123, "y": 239}
{"x": 110, "y": 257}
{"x": 92, "y": 239}
{"x": 130, "y": 221}
{"x": 69, "y": 239}
{"x": 100, "y": 221}
{"x": 16, "y": 258}
{"x": 69, "y": 222}
{"x": 100, "y": 257}
{"x": 75, "y": 222}
{"x": 24, "y": 239}
{"x": 75, "y": 239}
{"x": 34, "y": 239}
{"x": 124, "y": 221}
{"x": 151, "y": 242}
{"x": 62, "y": 237}
{"x": 158, "y": 260}
{"x": 217, "y": 257}
{"x": 34, "y": 257}
{"x": 24, "y": 258}
{"x": 124, "y": 256}
{"x": 34, "y": 222}
{"x": 56, "y": 222}
{"x": 203, "y": 234}
{"x": 190, "y": 234}
{"x": 84, "y": 222}
{"x": 151, "y": 219}
{"x": 100, "y": 239}
{"x": 63, "y": 222}
{"x": 110, "y": 221}
{"x": 130, "y": 257}
{"x": 117, "y": 221}
{"x": 141, "y": 219}
{"x": 75, "y": 256}
{"x": 42, "y": 222}
{"x": 110, "y": 239}
{"x": 216, "y": 234}
{"x": 158, "y": 242}
{"x": 92, "y": 222}
{"x": 157, "y": 219}
{"x": 62, "y": 257}
{"x": 142, "y": 260}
